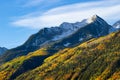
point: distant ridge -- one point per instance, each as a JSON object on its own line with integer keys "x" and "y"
{"x": 2, "y": 50}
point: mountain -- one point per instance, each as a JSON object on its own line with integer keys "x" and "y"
{"x": 66, "y": 35}
{"x": 95, "y": 59}
{"x": 2, "y": 50}
{"x": 117, "y": 25}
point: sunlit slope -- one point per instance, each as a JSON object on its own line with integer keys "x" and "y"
{"x": 96, "y": 59}
{"x": 17, "y": 66}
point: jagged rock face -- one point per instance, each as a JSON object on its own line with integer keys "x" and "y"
{"x": 95, "y": 29}
{"x": 65, "y": 35}
{"x": 66, "y": 29}
{"x": 2, "y": 50}
{"x": 53, "y": 34}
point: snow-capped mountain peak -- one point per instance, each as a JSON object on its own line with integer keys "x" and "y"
{"x": 65, "y": 29}
{"x": 91, "y": 19}
{"x": 69, "y": 26}
{"x": 65, "y": 35}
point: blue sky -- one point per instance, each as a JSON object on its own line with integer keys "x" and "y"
{"x": 21, "y": 18}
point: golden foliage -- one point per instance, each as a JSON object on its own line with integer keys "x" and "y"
{"x": 115, "y": 76}
{"x": 101, "y": 46}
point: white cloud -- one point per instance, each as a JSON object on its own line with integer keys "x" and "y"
{"x": 107, "y": 9}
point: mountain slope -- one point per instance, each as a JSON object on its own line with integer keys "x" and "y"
{"x": 94, "y": 59}
{"x": 97, "y": 59}
{"x": 117, "y": 25}
{"x": 66, "y": 35}
{"x": 2, "y": 50}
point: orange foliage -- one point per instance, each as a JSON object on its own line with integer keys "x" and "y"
{"x": 101, "y": 47}
{"x": 50, "y": 78}
{"x": 67, "y": 76}
{"x": 116, "y": 76}
{"x": 3, "y": 75}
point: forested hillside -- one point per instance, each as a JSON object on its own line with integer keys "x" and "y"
{"x": 98, "y": 58}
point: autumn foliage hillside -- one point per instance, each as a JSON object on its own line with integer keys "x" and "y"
{"x": 96, "y": 59}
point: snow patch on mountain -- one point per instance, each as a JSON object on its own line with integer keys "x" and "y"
{"x": 70, "y": 28}
{"x": 92, "y": 19}
{"x": 64, "y": 30}
{"x": 67, "y": 44}
{"x": 118, "y": 26}
{"x": 81, "y": 39}
{"x": 58, "y": 37}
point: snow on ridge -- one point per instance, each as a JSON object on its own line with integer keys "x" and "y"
{"x": 92, "y": 19}
{"x": 66, "y": 29}
{"x": 118, "y": 26}
{"x": 58, "y": 37}
{"x": 70, "y": 28}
